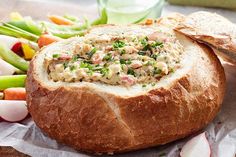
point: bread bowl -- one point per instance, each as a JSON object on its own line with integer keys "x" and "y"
{"x": 111, "y": 115}
{"x": 212, "y": 29}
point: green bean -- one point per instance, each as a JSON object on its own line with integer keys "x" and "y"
{"x": 12, "y": 81}
{"x": 13, "y": 58}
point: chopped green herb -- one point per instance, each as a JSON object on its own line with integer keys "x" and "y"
{"x": 122, "y": 61}
{"x": 154, "y": 56}
{"x": 90, "y": 72}
{"x": 55, "y": 55}
{"x": 128, "y": 61}
{"x": 142, "y": 53}
{"x": 156, "y": 71}
{"x": 131, "y": 72}
{"x": 144, "y": 85}
{"x": 86, "y": 65}
{"x": 107, "y": 57}
{"x": 122, "y": 52}
{"x": 75, "y": 57}
{"x": 118, "y": 44}
{"x": 153, "y": 84}
{"x": 104, "y": 71}
{"x": 144, "y": 41}
{"x": 65, "y": 65}
{"x": 73, "y": 67}
{"x": 91, "y": 53}
{"x": 156, "y": 44}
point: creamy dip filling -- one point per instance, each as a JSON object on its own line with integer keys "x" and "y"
{"x": 118, "y": 60}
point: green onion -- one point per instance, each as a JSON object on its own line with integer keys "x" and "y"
{"x": 156, "y": 71}
{"x": 142, "y": 53}
{"x": 104, "y": 71}
{"x": 154, "y": 56}
{"x": 12, "y": 81}
{"x": 107, "y": 57}
{"x": 91, "y": 53}
{"x": 131, "y": 72}
{"x": 118, "y": 44}
{"x": 12, "y": 58}
{"x": 156, "y": 44}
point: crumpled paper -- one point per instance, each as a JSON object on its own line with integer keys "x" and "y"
{"x": 27, "y": 138}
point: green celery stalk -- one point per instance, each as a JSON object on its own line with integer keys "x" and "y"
{"x": 12, "y": 81}
{"x": 13, "y": 58}
{"x": 27, "y": 25}
{"x": 102, "y": 19}
{"x": 10, "y": 30}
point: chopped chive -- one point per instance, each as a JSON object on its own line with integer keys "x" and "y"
{"x": 122, "y": 52}
{"x": 156, "y": 44}
{"x": 156, "y": 71}
{"x": 142, "y": 53}
{"x": 118, "y": 44}
{"x": 107, "y": 57}
{"x": 154, "y": 56}
{"x": 91, "y": 53}
{"x": 65, "y": 65}
{"x": 131, "y": 72}
{"x": 144, "y": 85}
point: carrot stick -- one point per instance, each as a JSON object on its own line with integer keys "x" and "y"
{"x": 47, "y": 39}
{"x": 60, "y": 20}
{"x": 14, "y": 94}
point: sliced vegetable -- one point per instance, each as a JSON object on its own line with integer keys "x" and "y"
{"x": 12, "y": 58}
{"x": 102, "y": 19}
{"x": 12, "y": 81}
{"x": 17, "y": 48}
{"x": 13, "y": 111}
{"x": 198, "y": 145}
{"x": 28, "y": 25}
{"x": 8, "y": 41}
{"x": 47, "y": 39}
{"x": 60, "y": 20}
{"x": 11, "y": 30}
{"x": 6, "y": 68}
{"x": 17, "y": 93}
{"x": 28, "y": 51}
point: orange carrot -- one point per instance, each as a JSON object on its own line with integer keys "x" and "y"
{"x": 60, "y": 20}
{"x": 14, "y": 93}
{"x": 47, "y": 39}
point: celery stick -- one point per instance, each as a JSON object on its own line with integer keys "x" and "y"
{"x": 17, "y": 33}
{"x": 12, "y": 81}
{"x": 13, "y": 58}
{"x": 102, "y": 19}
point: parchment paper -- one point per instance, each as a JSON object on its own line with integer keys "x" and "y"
{"x": 26, "y": 137}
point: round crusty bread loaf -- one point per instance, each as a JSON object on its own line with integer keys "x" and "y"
{"x": 102, "y": 118}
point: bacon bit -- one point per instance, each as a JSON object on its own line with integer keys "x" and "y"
{"x": 97, "y": 58}
{"x": 149, "y": 22}
{"x": 64, "y": 57}
{"x": 127, "y": 80}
